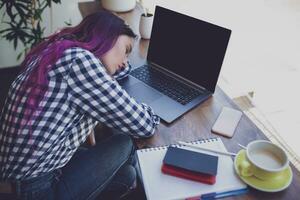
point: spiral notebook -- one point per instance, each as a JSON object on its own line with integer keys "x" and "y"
{"x": 160, "y": 186}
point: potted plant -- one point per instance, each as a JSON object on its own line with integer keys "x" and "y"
{"x": 118, "y": 5}
{"x": 146, "y": 23}
{"x": 23, "y": 22}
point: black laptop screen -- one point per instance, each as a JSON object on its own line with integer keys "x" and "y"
{"x": 188, "y": 47}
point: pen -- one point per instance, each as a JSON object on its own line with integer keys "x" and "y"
{"x": 242, "y": 146}
{"x": 206, "y": 149}
{"x": 215, "y": 195}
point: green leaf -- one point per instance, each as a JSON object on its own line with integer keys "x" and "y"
{"x": 57, "y": 1}
{"x": 24, "y": 9}
{"x": 68, "y": 23}
{"x": 37, "y": 14}
{"x": 10, "y": 36}
{"x": 9, "y": 10}
{"x": 2, "y": 4}
{"x": 4, "y": 30}
{"x": 17, "y": 16}
{"x": 3, "y": 15}
{"x": 48, "y": 3}
{"x": 15, "y": 43}
{"x": 20, "y": 55}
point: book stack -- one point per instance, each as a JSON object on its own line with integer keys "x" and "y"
{"x": 168, "y": 186}
{"x": 190, "y": 165}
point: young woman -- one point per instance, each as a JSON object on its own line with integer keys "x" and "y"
{"x": 67, "y": 86}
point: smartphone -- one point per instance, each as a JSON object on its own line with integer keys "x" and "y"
{"x": 227, "y": 122}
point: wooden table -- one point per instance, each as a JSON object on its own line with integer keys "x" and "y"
{"x": 197, "y": 123}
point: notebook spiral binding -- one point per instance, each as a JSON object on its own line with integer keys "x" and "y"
{"x": 179, "y": 145}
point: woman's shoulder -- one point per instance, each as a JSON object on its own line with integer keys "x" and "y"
{"x": 74, "y": 55}
{"x": 82, "y": 58}
{"x": 77, "y": 52}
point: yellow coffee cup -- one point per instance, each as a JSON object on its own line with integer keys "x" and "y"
{"x": 264, "y": 160}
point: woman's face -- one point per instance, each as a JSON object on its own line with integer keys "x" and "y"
{"x": 117, "y": 56}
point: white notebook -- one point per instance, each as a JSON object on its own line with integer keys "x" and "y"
{"x": 159, "y": 186}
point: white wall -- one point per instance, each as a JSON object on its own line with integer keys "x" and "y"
{"x": 265, "y": 36}
{"x": 263, "y": 55}
{"x": 66, "y": 11}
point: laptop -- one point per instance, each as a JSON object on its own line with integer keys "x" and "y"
{"x": 184, "y": 60}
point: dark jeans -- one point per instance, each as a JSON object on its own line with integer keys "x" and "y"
{"x": 104, "y": 171}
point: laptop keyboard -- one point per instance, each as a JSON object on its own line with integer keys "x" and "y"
{"x": 167, "y": 85}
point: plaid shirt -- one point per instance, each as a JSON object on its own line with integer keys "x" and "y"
{"x": 80, "y": 94}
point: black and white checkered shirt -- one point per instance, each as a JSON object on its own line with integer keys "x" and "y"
{"x": 81, "y": 93}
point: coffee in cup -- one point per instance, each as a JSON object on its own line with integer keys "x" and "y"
{"x": 264, "y": 160}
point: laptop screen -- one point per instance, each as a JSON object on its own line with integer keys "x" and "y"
{"x": 189, "y": 47}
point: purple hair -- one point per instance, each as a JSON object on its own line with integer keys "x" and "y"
{"x": 97, "y": 33}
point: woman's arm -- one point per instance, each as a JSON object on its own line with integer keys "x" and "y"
{"x": 95, "y": 93}
{"x": 123, "y": 73}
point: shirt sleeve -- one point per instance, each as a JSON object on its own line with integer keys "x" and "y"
{"x": 123, "y": 73}
{"x": 96, "y": 94}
